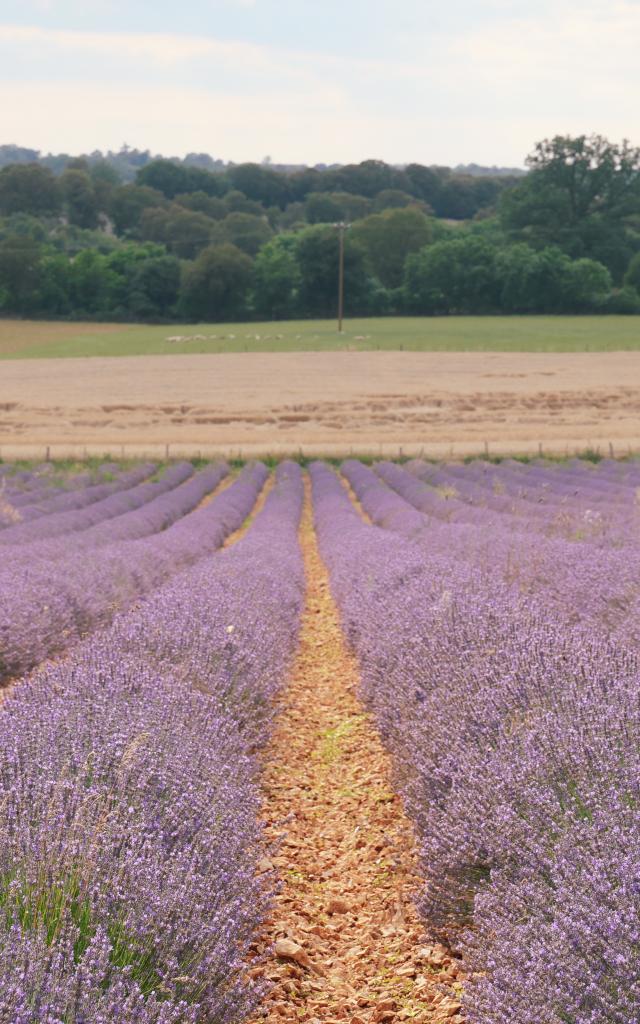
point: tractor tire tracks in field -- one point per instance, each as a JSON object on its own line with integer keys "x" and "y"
{"x": 343, "y": 942}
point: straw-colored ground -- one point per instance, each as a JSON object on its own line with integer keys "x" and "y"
{"x": 345, "y": 938}
{"x": 321, "y": 402}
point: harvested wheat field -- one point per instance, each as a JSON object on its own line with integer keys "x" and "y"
{"x": 322, "y": 402}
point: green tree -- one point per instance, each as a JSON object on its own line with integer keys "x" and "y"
{"x": 587, "y": 286}
{"x": 353, "y": 207}
{"x": 215, "y": 286}
{"x": 92, "y": 284}
{"x": 330, "y": 207}
{"x": 302, "y": 183}
{"x": 456, "y": 276}
{"x": 121, "y": 266}
{"x": 172, "y": 179}
{"x": 424, "y": 182}
{"x": 246, "y": 231}
{"x": 317, "y": 255}
{"x": 200, "y": 202}
{"x": 129, "y": 202}
{"x": 632, "y": 276}
{"x": 26, "y": 225}
{"x": 184, "y": 233}
{"x": 388, "y": 238}
{"x": 457, "y": 198}
{"x": 155, "y": 287}
{"x": 29, "y": 188}
{"x": 365, "y": 179}
{"x": 518, "y": 268}
{"x": 261, "y": 184}
{"x": 237, "y": 202}
{"x": 322, "y": 208}
{"x": 581, "y": 194}
{"x": 105, "y": 179}
{"x": 20, "y": 268}
{"x": 548, "y": 281}
{"x": 79, "y": 198}
{"x": 393, "y": 199}
{"x": 53, "y": 292}
{"x": 293, "y": 217}
{"x": 276, "y": 279}
{"x": 623, "y": 302}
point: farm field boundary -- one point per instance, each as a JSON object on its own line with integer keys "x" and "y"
{"x": 28, "y": 339}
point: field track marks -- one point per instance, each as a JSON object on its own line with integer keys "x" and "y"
{"x": 351, "y": 946}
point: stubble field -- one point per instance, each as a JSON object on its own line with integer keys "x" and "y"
{"x": 438, "y": 403}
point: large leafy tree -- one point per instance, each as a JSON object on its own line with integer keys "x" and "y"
{"x": 276, "y": 278}
{"x": 246, "y": 231}
{"x": 317, "y": 254}
{"x": 215, "y": 285}
{"x": 548, "y": 281}
{"x": 128, "y": 204}
{"x": 388, "y": 238}
{"x": 155, "y": 287}
{"x": 184, "y": 232}
{"x": 80, "y": 199}
{"x": 260, "y": 184}
{"x": 456, "y": 276}
{"x": 581, "y": 194}
{"x": 20, "y": 273}
{"x": 173, "y": 179}
{"x": 29, "y": 188}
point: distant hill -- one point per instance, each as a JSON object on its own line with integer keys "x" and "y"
{"x": 127, "y": 162}
{"x": 477, "y": 171}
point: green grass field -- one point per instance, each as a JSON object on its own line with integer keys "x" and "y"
{"x": 30, "y": 339}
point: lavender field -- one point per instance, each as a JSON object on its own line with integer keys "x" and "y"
{"x": 149, "y": 621}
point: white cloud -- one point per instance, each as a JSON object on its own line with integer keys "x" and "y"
{"x": 320, "y": 125}
{"x": 165, "y": 48}
{"x": 486, "y": 94}
{"x": 583, "y": 49}
{"x": 295, "y": 126}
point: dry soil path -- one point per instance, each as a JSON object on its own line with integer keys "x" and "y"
{"x": 346, "y": 941}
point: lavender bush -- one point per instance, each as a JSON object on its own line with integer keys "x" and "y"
{"x": 513, "y": 717}
{"x": 49, "y": 605}
{"x": 140, "y": 512}
{"x": 86, "y": 495}
{"x": 70, "y": 520}
{"x": 128, "y": 884}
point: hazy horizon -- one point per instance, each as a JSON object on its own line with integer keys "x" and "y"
{"x": 402, "y": 82}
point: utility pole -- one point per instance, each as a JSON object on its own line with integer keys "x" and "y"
{"x": 341, "y": 227}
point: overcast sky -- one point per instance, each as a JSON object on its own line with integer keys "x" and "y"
{"x": 318, "y": 80}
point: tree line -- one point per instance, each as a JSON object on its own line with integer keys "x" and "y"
{"x": 182, "y": 242}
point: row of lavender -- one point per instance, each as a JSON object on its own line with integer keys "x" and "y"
{"x": 574, "y": 502}
{"x": 28, "y": 494}
{"x": 128, "y": 883}
{"x": 588, "y": 573}
{"x": 69, "y": 572}
{"x": 515, "y": 722}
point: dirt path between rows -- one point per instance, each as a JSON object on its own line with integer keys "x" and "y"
{"x": 324, "y": 403}
{"x": 347, "y": 942}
